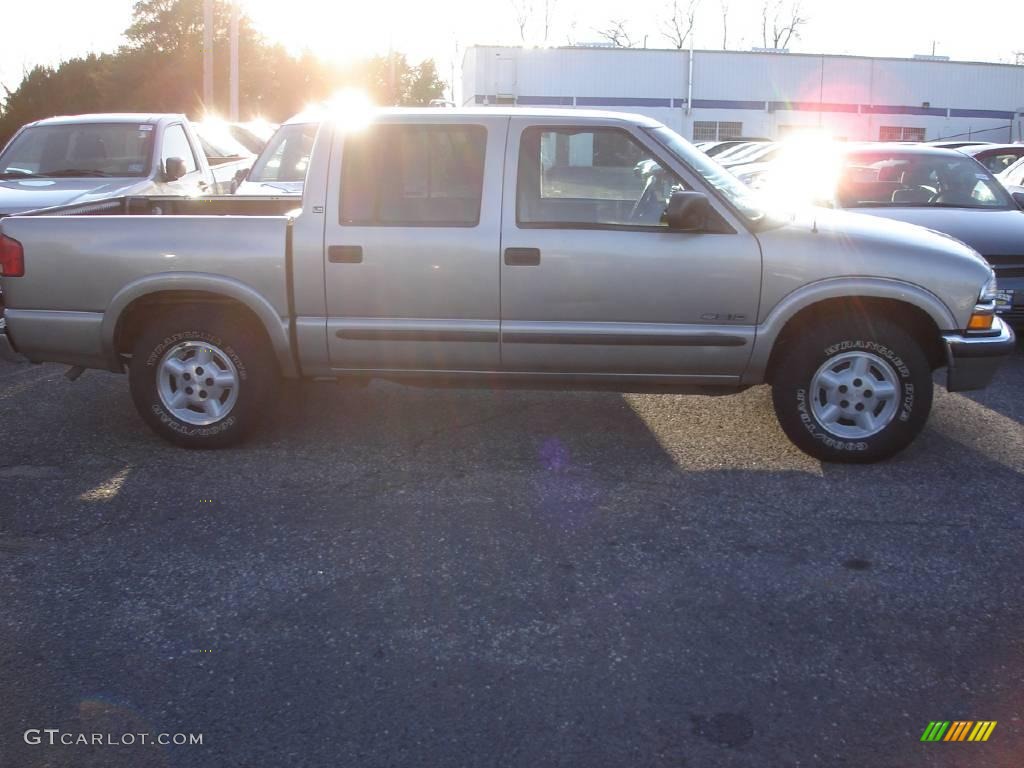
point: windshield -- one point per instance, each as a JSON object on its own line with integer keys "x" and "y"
{"x": 742, "y": 197}
{"x": 902, "y": 179}
{"x": 217, "y": 141}
{"x": 286, "y": 157}
{"x": 87, "y": 149}
{"x": 253, "y": 136}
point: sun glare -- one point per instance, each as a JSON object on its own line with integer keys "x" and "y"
{"x": 349, "y": 108}
{"x": 807, "y": 170}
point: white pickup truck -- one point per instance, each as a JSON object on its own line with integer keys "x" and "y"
{"x": 568, "y": 249}
{"x": 85, "y": 158}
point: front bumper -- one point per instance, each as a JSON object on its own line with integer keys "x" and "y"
{"x": 974, "y": 360}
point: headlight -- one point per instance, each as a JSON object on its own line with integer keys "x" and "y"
{"x": 984, "y": 311}
{"x": 988, "y": 291}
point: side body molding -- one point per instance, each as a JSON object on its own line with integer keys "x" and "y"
{"x": 839, "y": 288}
{"x": 273, "y": 322}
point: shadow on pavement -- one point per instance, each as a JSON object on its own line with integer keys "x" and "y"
{"x": 394, "y": 576}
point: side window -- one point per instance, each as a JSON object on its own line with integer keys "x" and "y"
{"x": 999, "y": 163}
{"x": 176, "y": 145}
{"x": 590, "y": 177}
{"x": 413, "y": 175}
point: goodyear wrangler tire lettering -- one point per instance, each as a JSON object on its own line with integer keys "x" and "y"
{"x": 235, "y": 346}
{"x": 850, "y": 391}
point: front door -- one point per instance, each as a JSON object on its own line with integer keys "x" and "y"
{"x": 175, "y": 143}
{"x": 592, "y": 279}
{"x": 412, "y": 245}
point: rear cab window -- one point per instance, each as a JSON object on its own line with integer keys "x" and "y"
{"x": 413, "y": 175}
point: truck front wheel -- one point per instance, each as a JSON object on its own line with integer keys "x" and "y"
{"x": 852, "y": 391}
{"x": 201, "y": 377}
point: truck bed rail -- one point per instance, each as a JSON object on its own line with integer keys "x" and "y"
{"x": 172, "y": 205}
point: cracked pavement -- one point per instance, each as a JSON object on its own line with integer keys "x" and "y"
{"x": 395, "y": 576}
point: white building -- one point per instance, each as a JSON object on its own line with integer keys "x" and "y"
{"x": 737, "y": 93}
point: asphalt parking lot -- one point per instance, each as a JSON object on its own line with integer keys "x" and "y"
{"x": 393, "y": 577}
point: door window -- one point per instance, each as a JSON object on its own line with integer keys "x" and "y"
{"x": 176, "y": 144}
{"x": 414, "y": 176}
{"x": 1000, "y": 162}
{"x": 592, "y": 178}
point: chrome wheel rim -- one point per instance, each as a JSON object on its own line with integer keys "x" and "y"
{"x": 197, "y": 382}
{"x": 855, "y": 395}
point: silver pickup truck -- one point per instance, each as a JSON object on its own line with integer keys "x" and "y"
{"x": 566, "y": 249}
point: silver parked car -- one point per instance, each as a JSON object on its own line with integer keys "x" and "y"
{"x": 88, "y": 158}
{"x": 490, "y": 247}
{"x": 281, "y": 167}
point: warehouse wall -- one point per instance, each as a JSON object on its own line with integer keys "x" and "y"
{"x": 852, "y": 97}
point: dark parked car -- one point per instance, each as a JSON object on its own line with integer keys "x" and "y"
{"x": 941, "y": 189}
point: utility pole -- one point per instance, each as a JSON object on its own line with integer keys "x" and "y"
{"x": 207, "y": 55}
{"x": 234, "y": 61}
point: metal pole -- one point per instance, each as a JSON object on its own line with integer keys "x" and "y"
{"x": 207, "y": 55}
{"x": 234, "y": 61}
{"x": 689, "y": 81}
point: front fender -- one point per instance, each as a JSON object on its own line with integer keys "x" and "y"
{"x": 275, "y": 325}
{"x": 839, "y": 288}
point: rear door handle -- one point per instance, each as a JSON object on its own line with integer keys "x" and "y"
{"x": 345, "y": 254}
{"x": 522, "y": 257}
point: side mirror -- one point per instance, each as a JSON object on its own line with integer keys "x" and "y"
{"x": 687, "y": 211}
{"x": 174, "y": 168}
{"x": 1019, "y": 199}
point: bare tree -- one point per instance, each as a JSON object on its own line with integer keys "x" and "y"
{"x": 522, "y": 11}
{"x": 549, "y": 11}
{"x": 570, "y": 33}
{"x": 616, "y": 34}
{"x": 780, "y": 22}
{"x": 724, "y": 6}
{"x": 679, "y": 24}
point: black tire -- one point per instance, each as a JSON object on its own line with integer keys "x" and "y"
{"x": 239, "y": 339}
{"x": 804, "y": 354}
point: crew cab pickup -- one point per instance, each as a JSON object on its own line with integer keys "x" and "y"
{"x": 493, "y": 247}
{"x": 85, "y": 158}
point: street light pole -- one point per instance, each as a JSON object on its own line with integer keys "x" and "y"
{"x": 207, "y": 55}
{"x": 234, "y": 61}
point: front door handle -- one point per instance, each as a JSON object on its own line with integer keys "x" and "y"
{"x": 522, "y": 257}
{"x": 345, "y": 254}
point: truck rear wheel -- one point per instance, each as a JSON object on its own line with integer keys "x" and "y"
{"x": 852, "y": 391}
{"x": 202, "y": 377}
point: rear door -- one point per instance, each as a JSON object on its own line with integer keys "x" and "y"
{"x": 592, "y": 279}
{"x": 412, "y": 244}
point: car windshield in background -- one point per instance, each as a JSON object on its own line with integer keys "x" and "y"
{"x": 217, "y": 141}
{"x": 90, "y": 149}
{"x": 742, "y": 197}
{"x": 895, "y": 179}
{"x": 286, "y": 157}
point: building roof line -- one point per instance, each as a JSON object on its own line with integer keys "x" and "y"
{"x": 716, "y": 51}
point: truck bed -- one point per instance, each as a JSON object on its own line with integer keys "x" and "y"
{"x": 84, "y": 263}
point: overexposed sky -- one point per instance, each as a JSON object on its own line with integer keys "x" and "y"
{"x": 48, "y": 31}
